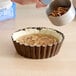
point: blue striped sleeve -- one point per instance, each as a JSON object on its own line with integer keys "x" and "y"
{"x": 46, "y": 2}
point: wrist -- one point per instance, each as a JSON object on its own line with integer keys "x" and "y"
{"x": 39, "y": 4}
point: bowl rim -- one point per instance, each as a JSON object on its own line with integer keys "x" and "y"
{"x": 39, "y": 28}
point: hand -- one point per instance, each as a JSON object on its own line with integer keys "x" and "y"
{"x": 23, "y": 2}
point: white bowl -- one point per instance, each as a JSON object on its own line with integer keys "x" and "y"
{"x": 65, "y": 18}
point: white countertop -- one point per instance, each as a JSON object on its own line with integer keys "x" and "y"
{"x": 12, "y": 64}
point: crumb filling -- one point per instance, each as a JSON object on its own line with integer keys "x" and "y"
{"x": 59, "y": 11}
{"x": 37, "y": 39}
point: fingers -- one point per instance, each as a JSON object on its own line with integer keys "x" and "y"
{"x": 19, "y": 1}
{"x": 24, "y": 1}
{"x": 38, "y": 2}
